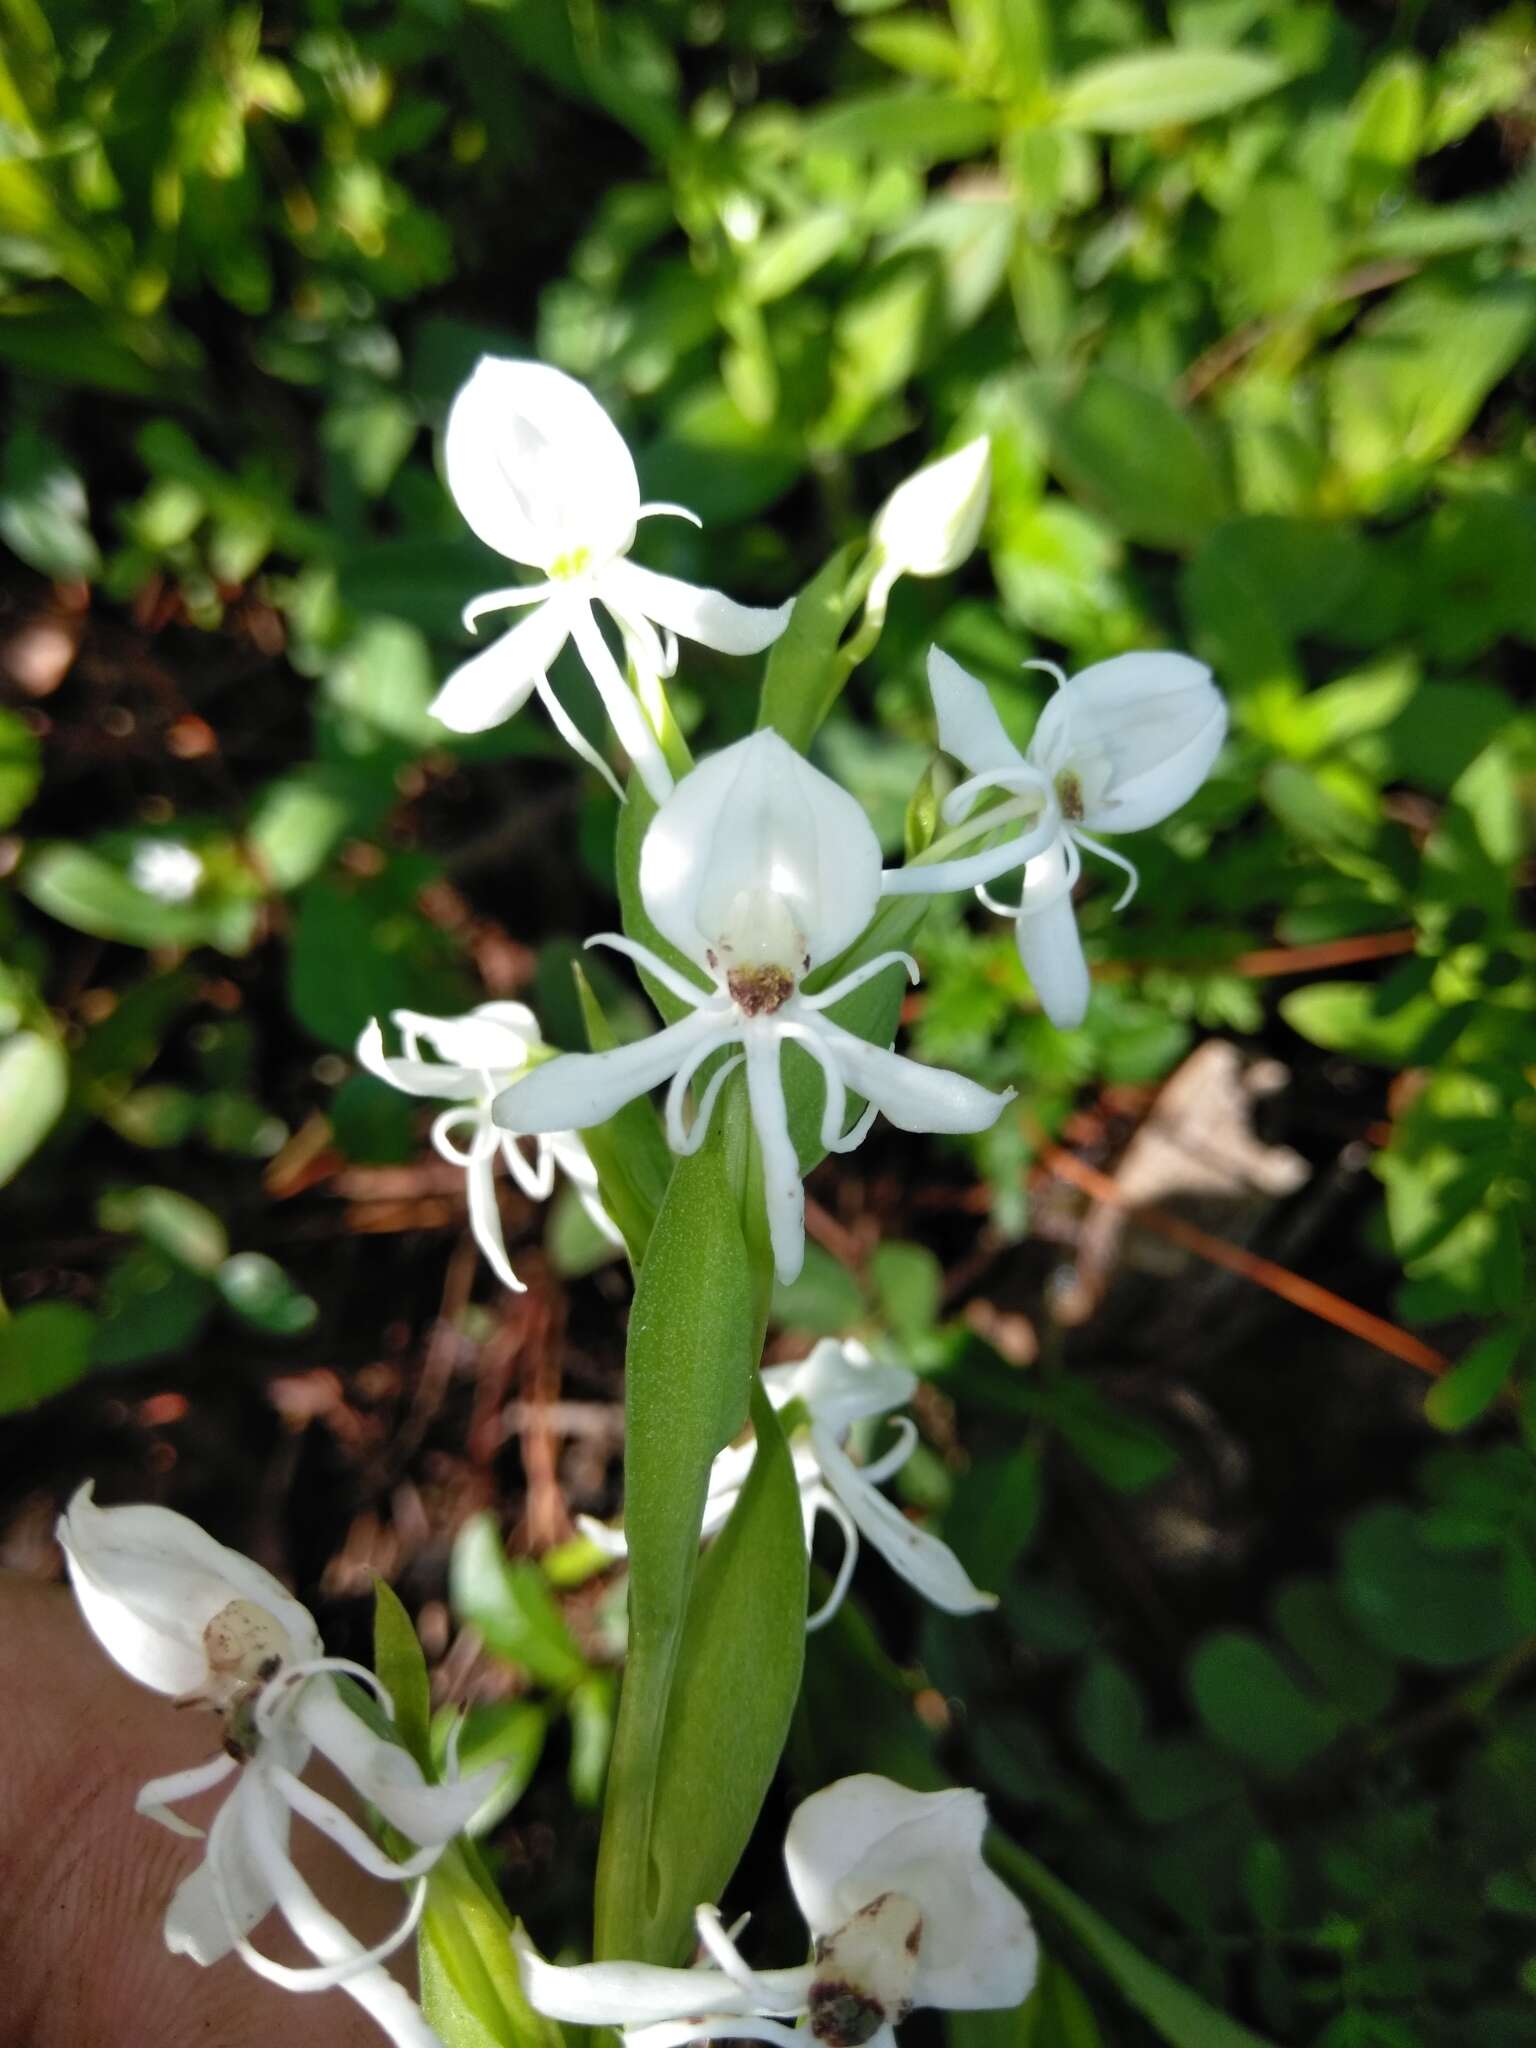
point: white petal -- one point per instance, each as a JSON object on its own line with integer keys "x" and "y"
{"x": 623, "y": 1994}
{"x": 978, "y": 1949}
{"x": 783, "y": 1189}
{"x": 922, "y": 1560}
{"x": 864, "y": 1836}
{"x": 1049, "y": 944}
{"x": 636, "y": 734}
{"x": 913, "y": 1096}
{"x": 327, "y": 1940}
{"x": 1147, "y": 728}
{"x": 754, "y": 820}
{"x": 537, "y": 468}
{"x": 930, "y": 523}
{"x": 149, "y": 1582}
{"x": 485, "y": 1220}
{"x": 491, "y": 686}
{"x": 413, "y": 1077}
{"x": 580, "y": 1090}
{"x": 384, "y": 1773}
{"x": 493, "y": 1037}
{"x": 841, "y": 1384}
{"x": 196, "y": 1924}
{"x": 706, "y": 616}
{"x": 969, "y": 727}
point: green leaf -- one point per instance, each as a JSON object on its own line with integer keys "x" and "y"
{"x": 44, "y": 1348}
{"x": 738, "y": 1674}
{"x": 402, "y": 1671}
{"x": 926, "y": 128}
{"x": 801, "y": 680}
{"x": 43, "y": 513}
{"x": 1320, "y": 1631}
{"x": 1180, "y": 2015}
{"x": 34, "y": 1085}
{"x": 1132, "y": 455}
{"x": 509, "y": 1603}
{"x": 1278, "y": 244}
{"x": 171, "y": 1222}
{"x": 1413, "y": 1600}
{"x": 1404, "y": 390}
{"x": 21, "y": 767}
{"x": 693, "y": 1342}
{"x": 914, "y": 43}
{"x": 261, "y": 1293}
{"x": 1109, "y": 1713}
{"x": 361, "y": 948}
{"x": 378, "y": 688}
{"x": 1251, "y": 1703}
{"x": 150, "y": 1307}
{"x": 1163, "y": 89}
{"x": 471, "y": 1990}
{"x": 1472, "y": 1386}
{"x": 908, "y": 1282}
{"x": 780, "y": 261}
{"x": 89, "y": 893}
{"x": 1350, "y": 1017}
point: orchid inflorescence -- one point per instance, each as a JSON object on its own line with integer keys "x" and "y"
{"x": 760, "y": 918}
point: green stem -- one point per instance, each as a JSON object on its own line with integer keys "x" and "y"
{"x": 1180, "y": 2015}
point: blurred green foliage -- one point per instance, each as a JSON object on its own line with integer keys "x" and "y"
{"x": 1243, "y": 292}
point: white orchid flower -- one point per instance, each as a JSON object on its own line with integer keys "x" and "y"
{"x": 542, "y": 475}
{"x": 838, "y": 1385}
{"x": 759, "y": 869}
{"x": 930, "y": 523}
{"x": 1118, "y": 748}
{"x": 902, "y": 1911}
{"x": 189, "y": 1618}
{"x": 478, "y": 1055}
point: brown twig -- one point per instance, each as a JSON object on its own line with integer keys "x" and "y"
{"x": 1301, "y": 1293}
{"x": 1225, "y": 355}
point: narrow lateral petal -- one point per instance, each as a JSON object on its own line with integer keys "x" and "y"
{"x": 580, "y": 1090}
{"x": 492, "y": 685}
{"x": 537, "y": 468}
{"x": 706, "y": 616}
{"x": 913, "y": 1096}
{"x": 922, "y": 1560}
{"x": 969, "y": 727}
